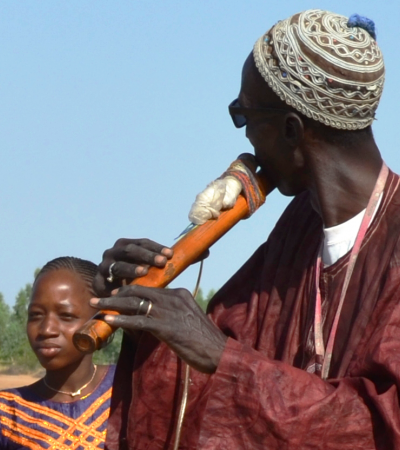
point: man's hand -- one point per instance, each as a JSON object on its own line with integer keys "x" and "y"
{"x": 131, "y": 258}
{"x": 173, "y": 317}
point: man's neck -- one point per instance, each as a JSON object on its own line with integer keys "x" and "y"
{"x": 342, "y": 186}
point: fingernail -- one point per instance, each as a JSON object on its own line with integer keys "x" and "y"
{"x": 94, "y": 301}
{"x": 141, "y": 270}
{"x": 109, "y": 318}
{"x": 160, "y": 260}
{"x": 167, "y": 252}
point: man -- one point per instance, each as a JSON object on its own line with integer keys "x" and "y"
{"x": 301, "y": 348}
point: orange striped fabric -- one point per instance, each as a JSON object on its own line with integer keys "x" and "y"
{"x": 29, "y": 422}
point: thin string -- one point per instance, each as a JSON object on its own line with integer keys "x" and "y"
{"x": 324, "y": 358}
{"x": 186, "y": 380}
{"x": 182, "y": 409}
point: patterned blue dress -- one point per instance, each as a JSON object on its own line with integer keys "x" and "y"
{"x": 29, "y": 422}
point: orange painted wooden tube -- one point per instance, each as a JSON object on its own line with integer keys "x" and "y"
{"x": 188, "y": 249}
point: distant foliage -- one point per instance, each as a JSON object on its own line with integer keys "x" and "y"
{"x": 204, "y": 300}
{"x": 14, "y": 346}
{"x": 4, "y": 322}
{"x": 109, "y": 354}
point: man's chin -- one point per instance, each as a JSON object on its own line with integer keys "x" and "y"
{"x": 290, "y": 191}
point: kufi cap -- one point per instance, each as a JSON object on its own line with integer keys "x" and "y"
{"x": 325, "y": 66}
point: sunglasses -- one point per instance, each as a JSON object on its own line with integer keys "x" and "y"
{"x": 239, "y": 114}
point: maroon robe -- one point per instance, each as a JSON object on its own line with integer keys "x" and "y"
{"x": 261, "y": 396}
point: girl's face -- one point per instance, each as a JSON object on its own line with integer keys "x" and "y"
{"x": 58, "y": 307}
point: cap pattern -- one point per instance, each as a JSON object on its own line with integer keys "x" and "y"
{"x": 325, "y": 69}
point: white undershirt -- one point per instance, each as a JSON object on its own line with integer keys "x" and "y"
{"x": 341, "y": 238}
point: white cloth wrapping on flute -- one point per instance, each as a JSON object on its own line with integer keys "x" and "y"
{"x": 218, "y": 195}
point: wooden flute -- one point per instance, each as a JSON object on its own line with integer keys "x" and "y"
{"x": 95, "y": 333}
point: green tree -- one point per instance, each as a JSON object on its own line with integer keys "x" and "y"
{"x": 203, "y": 301}
{"x": 16, "y": 345}
{"x": 4, "y": 321}
{"x": 109, "y": 354}
{"x": 21, "y": 304}
{"x": 210, "y": 294}
{"x": 200, "y": 295}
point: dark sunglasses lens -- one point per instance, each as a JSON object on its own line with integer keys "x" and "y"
{"x": 239, "y": 120}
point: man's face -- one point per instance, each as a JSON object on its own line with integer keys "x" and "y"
{"x": 266, "y": 133}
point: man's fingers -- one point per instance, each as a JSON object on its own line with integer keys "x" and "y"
{"x": 122, "y": 270}
{"x": 131, "y": 253}
{"x": 102, "y": 287}
{"x": 137, "y": 323}
{"x": 122, "y": 305}
{"x": 99, "y": 284}
{"x": 127, "y": 300}
{"x": 129, "y": 259}
{"x": 142, "y": 251}
{"x": 135, "y": 255}
{"x": 156, "y": 295}
{"x": 154, "y": 247}
{"x": 154, "y": 255}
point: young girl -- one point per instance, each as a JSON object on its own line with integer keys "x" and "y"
{"x": 68, "y": 407}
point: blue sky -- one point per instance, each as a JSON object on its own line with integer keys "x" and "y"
{"x": 114, "y": 116}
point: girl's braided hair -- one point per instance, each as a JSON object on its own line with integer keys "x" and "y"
{"x": 86, "y": 269}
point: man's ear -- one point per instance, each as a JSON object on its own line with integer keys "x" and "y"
{"x": 293, "y": 129}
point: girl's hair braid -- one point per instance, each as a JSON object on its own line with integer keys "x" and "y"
{"x": 86, "y": 269}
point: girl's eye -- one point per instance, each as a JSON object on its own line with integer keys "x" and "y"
{"x": 32, "y": 315}
{"x": 68, "y": 316}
